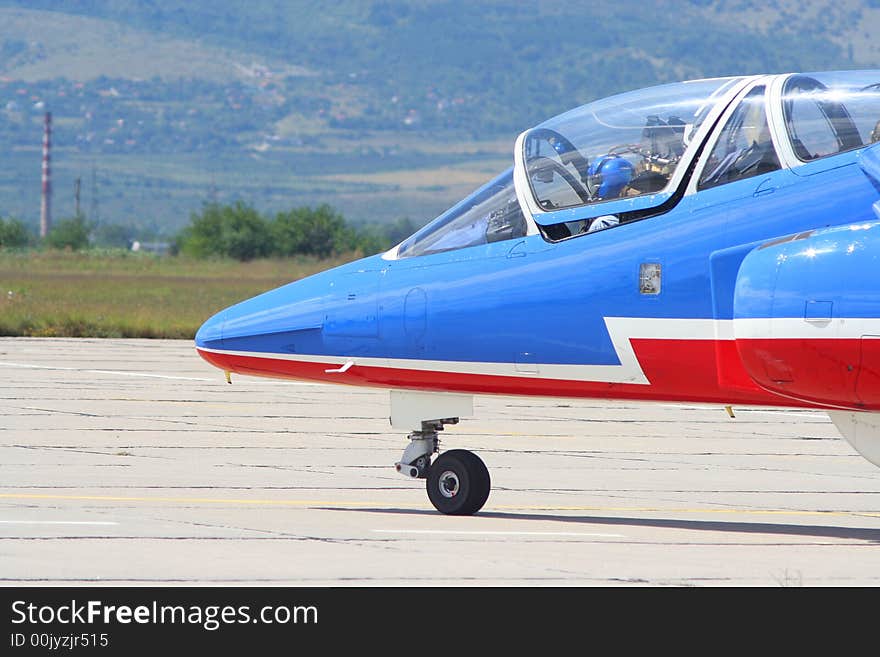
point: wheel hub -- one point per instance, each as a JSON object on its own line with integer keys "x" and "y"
{"x": 448, "y": 484}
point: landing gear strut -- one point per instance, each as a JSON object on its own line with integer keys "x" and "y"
{"x": 458, "y": 482}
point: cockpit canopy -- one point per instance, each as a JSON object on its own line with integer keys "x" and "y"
{"x": 623, "y": 146}
{"x": 626, "y": 145}
{"x": 627, "y": 157}
{"x": 830, "y": 113}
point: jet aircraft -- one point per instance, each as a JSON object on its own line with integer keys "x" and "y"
{"x": 713, "y": 241}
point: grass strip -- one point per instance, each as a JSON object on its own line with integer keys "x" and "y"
{"x": 119, "y": 294}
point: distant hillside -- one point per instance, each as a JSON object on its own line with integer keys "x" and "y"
{"x": 368, "y": 106}
{"x": 516, "y": 60}
{"x": 40, "y": 45}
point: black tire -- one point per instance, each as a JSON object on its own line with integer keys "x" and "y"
{"x": 458, "y": 483}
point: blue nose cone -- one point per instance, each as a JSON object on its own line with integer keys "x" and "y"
{"x": 210, "y": 335}
{"x": 299, "y": 316}
{"x": 265, "y": 323}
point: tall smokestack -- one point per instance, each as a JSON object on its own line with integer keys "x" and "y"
{"x": 46, "y": 203}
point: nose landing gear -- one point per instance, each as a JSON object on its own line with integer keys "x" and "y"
{"x": 457, "y": 482}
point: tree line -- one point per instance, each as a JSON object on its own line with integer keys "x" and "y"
{"x": 237, "y": 231}
{"x": 72, "y": 233}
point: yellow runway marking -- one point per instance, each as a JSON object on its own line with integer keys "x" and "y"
{"x": 377, "y": 504}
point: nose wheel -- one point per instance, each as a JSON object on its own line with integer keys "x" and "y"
{"x": 458, "y": 483}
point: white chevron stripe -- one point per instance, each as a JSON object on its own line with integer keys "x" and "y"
{"x": 622, "y": 331}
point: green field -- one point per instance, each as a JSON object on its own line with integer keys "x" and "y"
{"x": 126, "y": 295}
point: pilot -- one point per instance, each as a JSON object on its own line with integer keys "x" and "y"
{"x": 875, "y": 135}
{"x": 608, "y": 175}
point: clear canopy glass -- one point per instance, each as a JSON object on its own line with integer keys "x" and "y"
{"x": 830, "y": 113}
{"x": 491, "y": 214}
{"x": 623, "y": 146}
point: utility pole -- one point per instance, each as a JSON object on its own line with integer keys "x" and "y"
{"x": 46, "y": 198}
{"x": 76, "y": 186}
{"x": 94, "y": 213}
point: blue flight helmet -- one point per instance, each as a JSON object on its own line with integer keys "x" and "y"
{"x": 609, "y": 174}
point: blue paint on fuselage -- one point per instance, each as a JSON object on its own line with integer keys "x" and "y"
{"x": 532, "y": 300}
{"x": 822, "y": 275}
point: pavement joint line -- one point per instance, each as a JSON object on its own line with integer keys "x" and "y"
{"x": 57, "y": 522}
{"x": 250, "y": 380}
{"x": 114, "y": 372}
{"x": 376, "y": 504}
{"x": 493, "y": 533}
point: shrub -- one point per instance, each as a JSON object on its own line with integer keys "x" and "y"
{"x": 237, "y": 231}
{"x": 320, "y": 231}
{"x": 13, "y": 234}
{"x": 72, "y": 233}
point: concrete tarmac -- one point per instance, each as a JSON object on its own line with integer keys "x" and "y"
{"x": 134, "y": 462}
